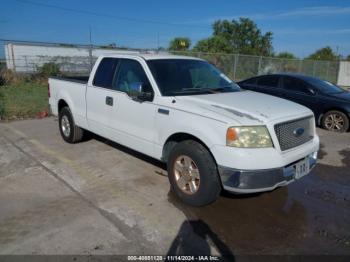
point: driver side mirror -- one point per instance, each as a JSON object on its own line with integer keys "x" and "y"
{"x": 136, "y": 92}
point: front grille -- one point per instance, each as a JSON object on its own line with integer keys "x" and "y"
{"x": 288, "y": 135}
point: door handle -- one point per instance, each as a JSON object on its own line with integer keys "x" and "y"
{"x": 109, "y": 101}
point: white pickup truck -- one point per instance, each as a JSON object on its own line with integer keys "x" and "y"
{"x": 185, "y": 112}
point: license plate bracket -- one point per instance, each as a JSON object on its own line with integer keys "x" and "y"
{"x": 301, "y": 168}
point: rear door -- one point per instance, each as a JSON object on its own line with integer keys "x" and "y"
{"x": 298, "y": 91}
{"x": 100, "y": 98}
{"x": 269, "y": 84}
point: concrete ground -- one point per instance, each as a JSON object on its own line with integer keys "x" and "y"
{"x": 97, "y": 197}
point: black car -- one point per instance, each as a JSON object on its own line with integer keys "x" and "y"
{"x": 330, "y": 103}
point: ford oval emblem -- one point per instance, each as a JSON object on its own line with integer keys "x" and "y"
{"x": 298, "y": 131}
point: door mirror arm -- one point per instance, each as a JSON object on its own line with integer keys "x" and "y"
{"x": 143, "y": 97}
{"x": 311, "y": 91}
{"x": 137, "y": 94}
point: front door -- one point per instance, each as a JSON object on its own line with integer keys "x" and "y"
{"x": 299, "y": 92}
{"x": 134, "y": 120}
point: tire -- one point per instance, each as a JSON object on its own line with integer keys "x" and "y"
{"x": 70, "y": 133}
{"x": 335, "y": 121}
{"x": 203, "y": 178}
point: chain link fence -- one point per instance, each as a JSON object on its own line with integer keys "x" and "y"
{"x": 78, "y": 60}
{"x": 72, "y": 59}
{"x": 2, "y": 63}
{"x": 74, "y": 65}
{"x": 240, "y": 67}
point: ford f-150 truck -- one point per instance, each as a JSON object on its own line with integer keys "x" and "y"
{"x": 186, "y": 112}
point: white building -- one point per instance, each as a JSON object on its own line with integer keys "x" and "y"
{"x": 26, "y": 58}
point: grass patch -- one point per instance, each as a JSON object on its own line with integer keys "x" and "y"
{"x": 23, "y": 100}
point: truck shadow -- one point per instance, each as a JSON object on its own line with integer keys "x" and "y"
{"x": 255, "y": 224}
{"x": 195, "y": 238}
{"x": 126, "y": 150}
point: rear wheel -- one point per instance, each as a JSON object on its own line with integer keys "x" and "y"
{"x": 335, "y": 121}
{"x": 69, "y": 131}
{"x": 193, "y": 174}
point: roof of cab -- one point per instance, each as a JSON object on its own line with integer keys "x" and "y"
{"x": 151, "y": 56}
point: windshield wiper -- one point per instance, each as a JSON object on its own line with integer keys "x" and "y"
{"x": 211, "y": 90}
{"x": 194, "y": 90}
{"x": 219, "y": 89}
{"x": 203, "y": 90}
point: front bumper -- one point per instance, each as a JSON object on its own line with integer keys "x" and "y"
{"x": 252, "y": 181}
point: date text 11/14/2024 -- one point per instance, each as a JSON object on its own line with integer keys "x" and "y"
{"x": 173, "y": 258}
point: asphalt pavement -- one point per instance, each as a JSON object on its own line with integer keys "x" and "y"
{"x": 97, "y": 197}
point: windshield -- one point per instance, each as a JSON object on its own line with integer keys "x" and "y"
{"x": 325, "y": 86}
{"x": 177, "y": 77}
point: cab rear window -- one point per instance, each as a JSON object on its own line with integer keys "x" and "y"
{"x": 105, "y": 72}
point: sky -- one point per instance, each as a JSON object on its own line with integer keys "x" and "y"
{"x": 298, "y": 26}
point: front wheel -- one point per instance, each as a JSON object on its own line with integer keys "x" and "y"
{"x": 193, "y": 174}
{"x": 335, "y": 121}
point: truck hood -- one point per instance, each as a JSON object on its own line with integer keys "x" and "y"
{"x": 245, "y": 107}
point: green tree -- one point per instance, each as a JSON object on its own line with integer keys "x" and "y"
{"x": 348, "y": 58}
{"x": 286, "y": 55}
{"x": 180, "y": 44}
{"x": 49, "y": 69}
{"x": 215, "y": 44}
{"x": 242, "y": 36}
{"x": 325, "y": 53}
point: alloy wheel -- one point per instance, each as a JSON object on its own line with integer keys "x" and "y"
{"x": 187, "y": 174}
{"x": 65, "y": 125}
{"x": 334, "y": 122}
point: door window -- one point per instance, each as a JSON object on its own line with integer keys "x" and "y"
{"x": 105, "y": 72}
{"x": 269, "y": 81}
{"x": 131, "y": 72}
{"x": 294, "y": 84}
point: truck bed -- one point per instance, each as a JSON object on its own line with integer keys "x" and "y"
{"x": 72, "y": 90}
{"x": 77, "y": 79}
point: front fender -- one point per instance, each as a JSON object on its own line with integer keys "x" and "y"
{"x": 209, "y": 131}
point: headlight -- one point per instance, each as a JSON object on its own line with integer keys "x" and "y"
{"x": 248, "y": 137}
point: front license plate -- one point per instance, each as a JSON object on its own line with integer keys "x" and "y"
{"x": 302, "y": 168}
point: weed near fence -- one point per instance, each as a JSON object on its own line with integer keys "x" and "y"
{"x": 24, "y": 100}
{"x": 25, "y": 95}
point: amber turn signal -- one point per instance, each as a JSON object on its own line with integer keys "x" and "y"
{"x": 231, "y": 134}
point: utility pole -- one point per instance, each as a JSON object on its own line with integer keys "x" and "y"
{"x": 157, "y": 42}
{"x": 90, "y": 49}
{"x": 337, "y": 52}
{"x": 90, "y": 35}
